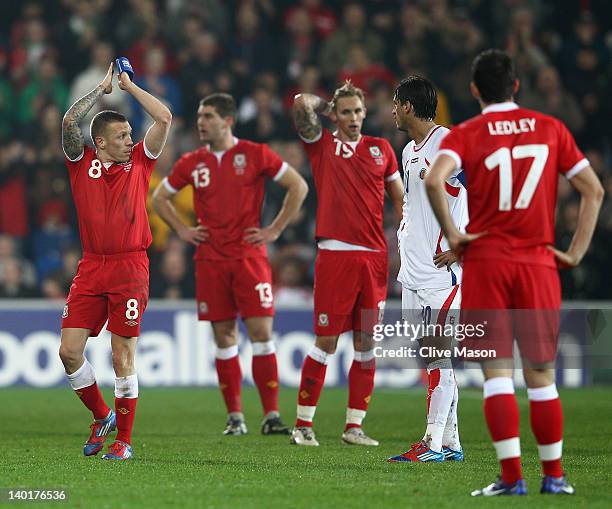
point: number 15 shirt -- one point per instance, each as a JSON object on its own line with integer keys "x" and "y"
{"x": 512, "y": 157}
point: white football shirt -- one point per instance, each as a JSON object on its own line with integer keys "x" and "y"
{"x": 420, "y": 236}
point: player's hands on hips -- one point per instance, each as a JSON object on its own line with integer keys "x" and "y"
{"x": 259, "y": 236}
{"x": 107, "y": 82}
{"x": 447, "y": 258}
{"x": 194, "y": 234}
{"x": 565, "y": 259}
{"x": 124, "y": 81}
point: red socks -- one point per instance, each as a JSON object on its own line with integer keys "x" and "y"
{"x": 265, "y": 376}
{"x": 311, "y": 384}
{"x": 546, "y": 418}
{"x": 125, "y": 409}
{"x": 93, "y": 400}
{"x": 502, "y": 416}
{"x": 361, "y": 386}
{"x": 227, "y": 363}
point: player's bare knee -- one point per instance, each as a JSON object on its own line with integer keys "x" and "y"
{"x": 123, "y": 362}
{"x": 327, "y": 343}
{"x": 71, "y": 357}
{"x": 260, "y": 335}
{"x": 539, "y": 376}
{"x": 225, "y": 333}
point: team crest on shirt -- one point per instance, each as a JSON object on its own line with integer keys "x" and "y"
{"x": 422, "y": 173}
{"x": 239, "y": 163}
{"x": 377, "y": 154}
{"x": 323, "y": 320}
{"x": 65, "y": 312}
{"x": 127, "y": 166}
{"x": 203, "y": 307}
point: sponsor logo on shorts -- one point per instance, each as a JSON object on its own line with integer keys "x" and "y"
{"x": 203, "y": 307}
{"x": 65, "y": 312}
{"x": 323, "y": 319}
{"x": 131, "y": 323}
{"x": 239, "y": 163}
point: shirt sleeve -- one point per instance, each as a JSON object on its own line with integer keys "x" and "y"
{"x": 452, "y": 145}
{"x": 74, "y": 164}
{"x": 313, "y": 148}
{"x": 139, "y": 154}
{"x": 179, "y": 176}
{"x": 391, "y": 172}
{"x": 271, "y": 165}
{"x": 571, "y": 158}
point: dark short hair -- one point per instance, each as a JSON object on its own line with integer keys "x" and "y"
{"x": 224, "y": 104}
{"x": 494, "y": 75}
{"x": 101, "y": 120}
{"x": 421, "y": 94}
{"x": 347, "y": 90}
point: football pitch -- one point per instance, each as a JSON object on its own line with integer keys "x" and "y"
{"x": 182, "y": 460}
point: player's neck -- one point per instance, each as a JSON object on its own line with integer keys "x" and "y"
{"x": 223, "y": 144}
{"x": 344, "y": 138}
{"x": 103, "y": 157}
{"x": 420, "y": 130}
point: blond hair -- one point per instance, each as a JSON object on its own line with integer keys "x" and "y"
{"x": 347, "y": 90}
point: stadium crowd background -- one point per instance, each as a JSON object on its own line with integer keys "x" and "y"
{"x": 263, "y": 52}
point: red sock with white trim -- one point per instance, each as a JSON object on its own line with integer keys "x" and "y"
{"x": 311, "y": 384}
{"x": 126, "y": 397}
{"x": 546, "y": 416}
{"x": 265, "y": 375}
{"x": 361, "y": 386}
{"x": 229, "y": 373}
{"x": 502, "y": 416}
{"x": 83, "y": 381}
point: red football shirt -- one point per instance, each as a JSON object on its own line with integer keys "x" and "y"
{"x": 111, "y": 201}
{"x": 228, "y": 194}
{"x": 511, "y": 157}
{"x": 350, "y": 183}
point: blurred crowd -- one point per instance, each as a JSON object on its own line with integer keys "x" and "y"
{"x": 263, "y": 52}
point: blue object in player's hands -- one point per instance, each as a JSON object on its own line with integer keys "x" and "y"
{"x": 123, "y": 65}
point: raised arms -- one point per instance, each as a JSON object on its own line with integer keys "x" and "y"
{"x": 72, "y": 137}
{"x": 155, "y": 139}
{"x": 306, "y": 111}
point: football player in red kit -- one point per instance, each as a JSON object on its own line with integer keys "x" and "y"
{"x": 512, "y": 158}
{"x": 109, "y": 184}
{"x": 351, "y": 173}
{"x": 233, "y": 275}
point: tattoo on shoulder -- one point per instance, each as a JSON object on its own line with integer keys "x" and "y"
{"x": 308, "y": 123}
{"x": 72, "y": 137}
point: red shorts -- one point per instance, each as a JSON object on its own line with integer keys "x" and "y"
{"x": 349, "y": 291}
{"x": 225, "y": 288}
{"x": 515, "y": 300}
{"x": 109, "y": 287}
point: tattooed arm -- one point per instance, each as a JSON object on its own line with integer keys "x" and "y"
{"x": 72, "y": 137}
{"x": 306, "y": 111}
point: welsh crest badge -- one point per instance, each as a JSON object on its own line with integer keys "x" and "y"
{"x": 239, "y": 163}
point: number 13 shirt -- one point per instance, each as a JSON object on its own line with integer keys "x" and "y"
{"x": 228, "y": 194}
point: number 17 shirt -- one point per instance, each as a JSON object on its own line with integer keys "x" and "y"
{"x": 512, "y": 157}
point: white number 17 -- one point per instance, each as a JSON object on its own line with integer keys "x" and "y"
{"x": 502, "y": 158}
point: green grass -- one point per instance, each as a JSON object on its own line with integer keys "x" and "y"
{"x": 182, "y": 460}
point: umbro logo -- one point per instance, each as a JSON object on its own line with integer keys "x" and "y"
{"x": 123, "y": 411}
{"x": 131, "y": 323}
